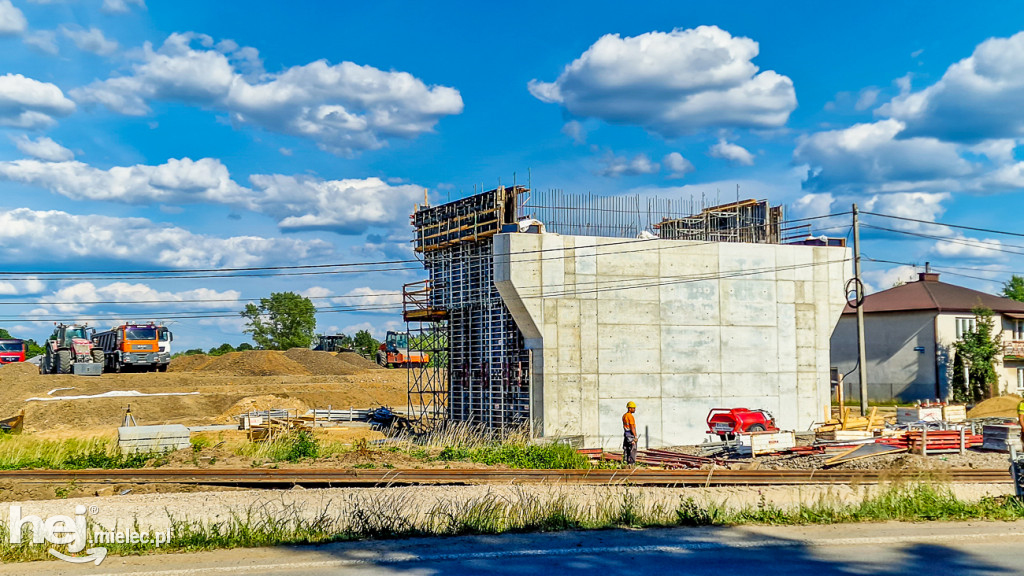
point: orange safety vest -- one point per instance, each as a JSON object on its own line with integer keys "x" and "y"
{"x": 629, "y": 423}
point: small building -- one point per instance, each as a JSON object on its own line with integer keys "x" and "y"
{"x": 909, "y": 335}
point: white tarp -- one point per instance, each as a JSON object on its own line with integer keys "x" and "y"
{"x": 115, "y": 394}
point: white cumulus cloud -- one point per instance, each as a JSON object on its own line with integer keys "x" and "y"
{"x": 676, "y": 165}
{"x": 43, "y": 148}
{"x": 672, "y": 83}
{"x": 42, "y": 40}
{"x": 872, "y": 155}
{"x": 977, "y": 98}
{"x": 29, "y": 103}
{"x": 575, "y": 130}
{"x": 734, "y": 153}
{"x": 91, "y": 40}
{"x": 347, "y": 206}
{"x": 28, "y": 285}
{"x": 82, "y": 296}
{"x": 615, "y": 166}
{"x": 121, "y": 6}
{"x": 12, "y": 21}
{"x": 960, "y": 246}
{"x": 344, "y": 107}
{"x": 176, "y": 181}
{"x": 28, "y": 236}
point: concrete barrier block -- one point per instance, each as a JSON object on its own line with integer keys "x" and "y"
{"x": 169, "y": 437}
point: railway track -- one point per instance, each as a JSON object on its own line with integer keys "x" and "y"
{"x": 371, "y": 478}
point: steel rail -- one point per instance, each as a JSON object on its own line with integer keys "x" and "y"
{"x": 395, "y": 477}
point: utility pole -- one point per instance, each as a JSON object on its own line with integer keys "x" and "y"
{"x": 862, "y": 361}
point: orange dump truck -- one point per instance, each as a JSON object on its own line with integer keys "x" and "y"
{"x": 132, "y": 347}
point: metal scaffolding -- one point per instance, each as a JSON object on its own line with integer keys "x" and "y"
{"x": 745, "y": 221}
{"x": 484, "y": 378}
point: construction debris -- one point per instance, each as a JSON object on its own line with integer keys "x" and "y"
{"x": 14, "y": 424}
{"x": 845, "y": 421}
{"x": 864, "y": 451}
{"x": 659, "y": 458}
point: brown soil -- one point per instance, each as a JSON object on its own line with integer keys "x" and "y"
{"x": 321, "y": 363}
{"x": 1001, "y": 406}
{"x": 189, "y": 363}
{"x": 359, "y": 361}
{"x": 227, "y": 386}
{"x": 255, "y": 363}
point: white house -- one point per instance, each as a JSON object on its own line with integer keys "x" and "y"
{"x": 909, "y": 335}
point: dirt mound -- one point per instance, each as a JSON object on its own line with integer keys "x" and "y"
{"x": 265, "y": 402}
{"x": 321, "y": 363}
{"x": 19, "y": 369}
{"x": 256, "y": 363}
{"x": 1005, "y": 406}
{"x": 189, "y": 363}
{"x": 358, "y": 361}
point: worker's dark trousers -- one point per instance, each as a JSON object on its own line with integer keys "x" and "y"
{"x": 629, "y": 448}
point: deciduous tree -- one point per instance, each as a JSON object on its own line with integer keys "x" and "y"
{"x": 284, "y": 320}
{"x": 1014, "y": 288}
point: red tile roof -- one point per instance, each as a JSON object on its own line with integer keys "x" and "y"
{"x": 930, "y": 294}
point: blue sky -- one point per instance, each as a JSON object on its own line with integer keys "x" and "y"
{"x": 192, "y": 135}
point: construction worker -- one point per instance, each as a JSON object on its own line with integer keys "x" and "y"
{"x": 629, "y": 435}
{"x": 1020, "y": 419}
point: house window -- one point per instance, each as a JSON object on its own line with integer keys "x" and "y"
{"x": 1020, "y": 380}
{"x": 965, "y": 325}
{"x": 1018, "y": 329}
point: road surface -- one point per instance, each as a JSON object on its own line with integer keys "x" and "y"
{"x": 942, "y": 549}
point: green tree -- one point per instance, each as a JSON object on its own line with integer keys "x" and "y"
{"x": 32, "y": 349}
{"x": 284, "y": 320}
{"x": 364, "y": 343}
{"x": 977, "y": 350}
{"x": 1014, "y": 288}
{"x": 221, "y": 350}
{"x": 244, "y": 346}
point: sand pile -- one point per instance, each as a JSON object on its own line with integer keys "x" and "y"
{"x": 256, "y": 363}
{"x": 358, "y": 361}
{"x": 1004, "y": 406}
{"x": 321, "y": 363}
{"x": 19, "y": 369}
{"x": 189, "y": 363}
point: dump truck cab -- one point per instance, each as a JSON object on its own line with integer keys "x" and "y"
{"x": 12, "y": 350}
{"x": 132, "y": 346}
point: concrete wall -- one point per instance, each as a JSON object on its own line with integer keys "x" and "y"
{"x": 895, "y": 369}
{"x": 903, "y": 361}
{"x": 679, "y": 327}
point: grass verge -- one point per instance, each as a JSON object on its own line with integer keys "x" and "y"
{"x": 397, "y": 515}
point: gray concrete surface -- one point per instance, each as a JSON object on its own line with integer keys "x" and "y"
{"x": 679, "y": 327}
{"x": 961, "y": 549}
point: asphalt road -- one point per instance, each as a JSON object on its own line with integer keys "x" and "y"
{"x": 942, "y": 549}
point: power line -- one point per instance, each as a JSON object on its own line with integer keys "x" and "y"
{"x": 986, "y": 230}
{"x": 998, "y": 247}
